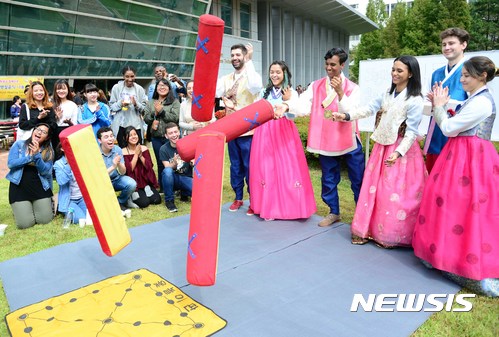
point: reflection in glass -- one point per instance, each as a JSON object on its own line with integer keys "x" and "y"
{"x": 48, "y": 24}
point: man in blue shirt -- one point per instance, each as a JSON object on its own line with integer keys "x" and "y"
{"x": 113, "y": 159}
{"x": 453, "y": 41}
{"x": 178, "y": 86}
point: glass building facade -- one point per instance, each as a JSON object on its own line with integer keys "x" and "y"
{"x": 95, "y": 39}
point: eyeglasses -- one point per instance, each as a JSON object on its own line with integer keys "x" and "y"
{"x": 42, "y": 131}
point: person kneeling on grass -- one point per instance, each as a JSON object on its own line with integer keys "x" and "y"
{"x": 113, "y": 158}
{"x": 177, "y": 174}
{"x": 30, "y": 176}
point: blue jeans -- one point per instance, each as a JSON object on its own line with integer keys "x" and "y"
{"x": 239, "y": 155}
{"x": 173, "y": 181}
{"x": 126, "y": 186}
{"x": 80, "y": 209}
{"x": 331, "y": 176}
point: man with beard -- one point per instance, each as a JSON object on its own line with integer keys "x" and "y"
{"x": 238, "y": 90}
{"x": 178, "y": 86}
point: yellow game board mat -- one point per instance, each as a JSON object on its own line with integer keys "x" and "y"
{"x": 139, "y": 303}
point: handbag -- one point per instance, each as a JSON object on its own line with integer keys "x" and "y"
{"x": 24, "y": 134}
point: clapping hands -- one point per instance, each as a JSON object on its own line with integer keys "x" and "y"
{"x": 439, "y": 95}
{"x": 34, "y": 147}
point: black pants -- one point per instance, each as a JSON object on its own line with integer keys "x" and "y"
{"x": 143, "y": 200}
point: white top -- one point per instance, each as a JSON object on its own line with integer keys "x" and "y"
{"x": 69, "y": 111}
{"x": 397, "y": 110}
{"x": 254, "y": 80}
{"x": 473, "y": 113}
{"x": 302, "y": 106}
{"x": 186, "y": 122}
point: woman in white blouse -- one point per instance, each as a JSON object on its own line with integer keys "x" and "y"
{"x": 395, "y": 175}
{"x": 66, "y": 111}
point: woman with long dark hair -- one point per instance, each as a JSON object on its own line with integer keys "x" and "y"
{"x": 279, "y": 181}
{"x": 30, "y": 190}
{"x": 139, "y": 166}
{"x": 395, "y": 175}
{"x": 66, "y": 111}
{"x": 162, "y": 109}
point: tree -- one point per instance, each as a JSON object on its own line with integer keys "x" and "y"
{"x": 457, "y": 14}
{"x": 427, "y": 19}
{"x": 370, "y": 46}
{"x": 392, "y": 34}
{"x": 484, "y": 30}
{"x": 424, "y": 24}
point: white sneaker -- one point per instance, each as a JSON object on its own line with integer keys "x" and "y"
{"x": 148, "y": 191}
{"x": 126, "y": 213}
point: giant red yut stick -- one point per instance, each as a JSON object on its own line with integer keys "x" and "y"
{"x": 232, "y": 126}
{"x": 202, "y": 257}
{"x": 208, "y": 48}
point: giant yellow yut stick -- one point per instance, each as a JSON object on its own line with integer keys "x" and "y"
{"x": 84, "y": 157}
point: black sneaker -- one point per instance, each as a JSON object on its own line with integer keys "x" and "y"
{"x": 123, "y": 207}
{"x": 171, "y": 206}
{"x": 184, "y": 198}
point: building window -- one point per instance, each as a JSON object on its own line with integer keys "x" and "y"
{"x": 226, "y": 9}
{"x": 245, "y": 18}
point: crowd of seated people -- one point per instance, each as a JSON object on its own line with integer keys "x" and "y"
{"x": 37, "y": 158}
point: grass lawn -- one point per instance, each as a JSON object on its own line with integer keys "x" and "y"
{"x": 483, "y": 320}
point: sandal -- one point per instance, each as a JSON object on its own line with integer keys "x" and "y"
{"x": 383, "y": 246}
{"x": 357, "y": 240}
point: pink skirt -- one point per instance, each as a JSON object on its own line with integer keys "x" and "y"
{"x": 389, "y": 199}
{"x": 458, "y": 223}
{"x": 280, "y": 182}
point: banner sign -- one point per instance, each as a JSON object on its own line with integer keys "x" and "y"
{"x": 11, "y": 86}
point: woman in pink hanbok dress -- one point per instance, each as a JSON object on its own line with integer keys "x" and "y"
{"x": 280, "y": 182}
{"x": 394, "y": 178}
{"x": 458, "y": 224}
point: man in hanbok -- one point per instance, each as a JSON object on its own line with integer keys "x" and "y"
{"x": 454, "y": 42}
{"x": 332, "y": 140}
{"x": 238, "y": 90}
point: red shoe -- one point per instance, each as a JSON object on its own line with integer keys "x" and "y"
{"x": 235, "y": 205}
{"x": 250, "y": 211}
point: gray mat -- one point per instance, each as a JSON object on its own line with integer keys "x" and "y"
{"x": 280, "y": 278}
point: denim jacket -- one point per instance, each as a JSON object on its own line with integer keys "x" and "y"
{"x": 18, "y": 158}
{"x": 98, "y": 119}
{"x": 63, "y": 176}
